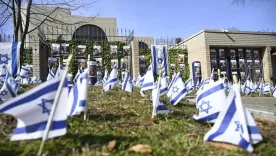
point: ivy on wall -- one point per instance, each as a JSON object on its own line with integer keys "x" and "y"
{"x": 105, "y": 53}
{"x": 27, "y": 57}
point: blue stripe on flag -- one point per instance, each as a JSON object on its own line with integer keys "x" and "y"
{"x": 127, "y": 76}
{"x": 147, "y": 85}
{"x": 82, "y": 103}
{"x": 209, "y": 117}
{"x": 243, "y": 143}
{"x": 111, "y": 81}
{"x": 45, "y": 90}
{"x": 14, "y": 58}
{"x": 210, "y": 91}
{"x": 154, "y": 61}
{"x": 75, "y": 94}
{"x": 161, "y": 108}
{"x": 163, "y": 90}
{"x": 253, "y": 130}
{"x": 40, "y": 127}
{"x": 165, "y": 60}
{"x": 226, "y": 120}
{"x": 178, "y": 95}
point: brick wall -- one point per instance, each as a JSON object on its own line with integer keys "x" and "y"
{"x": 135, "y": 58}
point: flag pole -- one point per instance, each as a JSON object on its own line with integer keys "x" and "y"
{"x": 52, "y": 113}
{"x": 88, "y": 68}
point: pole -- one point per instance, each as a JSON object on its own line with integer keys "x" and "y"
{"x": 88, "y": 68}
{"x": 52, "y": 113}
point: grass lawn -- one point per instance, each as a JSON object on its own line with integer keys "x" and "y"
{"x": 126, "y": 118}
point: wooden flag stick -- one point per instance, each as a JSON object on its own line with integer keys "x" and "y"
{"x": 85, "y": 111}
{"x": 52, "y": 113}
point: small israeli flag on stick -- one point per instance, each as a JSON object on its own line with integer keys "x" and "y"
{"x": 105, "y": 78}
{"x": 177, "y": 91}
{"x": 60, "y": 108}
{"x": 51, "y": 74}
{"x": 160, "y": 58}
{"x": 9, "y": 88}
{"x": 235, "y": 125}
{"x": 148, "y": 82}
{"x": 127, "y": 84}
{"x": 210, "y": 101}
{"x": 164, "y": 85}
{"x": 112, "y": 79}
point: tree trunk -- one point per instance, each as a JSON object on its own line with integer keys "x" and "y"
{"x": 25, "y": 31}
{"x": 16, "y": 33}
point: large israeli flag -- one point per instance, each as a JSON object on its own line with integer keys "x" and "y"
{"x": 9, "y": 88}
{"x": 210, "y": 101}
{"x": 78, "y": 95}
{"x": 159, "y": 58}
{"x": 10, "y": 56}
{"x": 112, "y": 79}
{"x": 32, "y": 110}
{"x": 178, "y": 90}
{"x": 235, "y": 125}
{"x": 127, "y": 84}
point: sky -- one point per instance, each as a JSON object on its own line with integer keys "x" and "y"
{"x": 183, "y": 18}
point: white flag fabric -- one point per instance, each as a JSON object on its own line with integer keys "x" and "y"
{"x": 112, "y": 79}
{"x": 3, "y": 73}
{"x": 59, "y": 71}
{"x": 164, "y": 85}
{"x": 266, "y": 89}
{"x": 127, "y": 84}
{"x": 24, "y": 72}
{"x": 148, "y": 82}
{"x": 51, "y": 74}
{"x": 178, "y": 90}
{"x": 274, "y": 91}
{"x": 235, "y": 125}
{"x": 210, "y": 101}
{"x": 140, "y": 81}
{"x": 9, "y": 88}
{"x": 32, "y": 110}
{"x": 10, "y": 56}
{"x": 189, "y": 85}
{"x": 105, "y": 78}
{"x": 158, "y": 106}
{"x": 160, "y": 58}
{"x": 78, "y": 95}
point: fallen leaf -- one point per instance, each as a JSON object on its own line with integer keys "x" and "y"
{"x": 111, "y": 145}
{"x": 105, "y": 154}
{"x": 225, "y": 146}
{"x": 141, "y": 148}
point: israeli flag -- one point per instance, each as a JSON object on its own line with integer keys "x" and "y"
{"x": 32, "y": 110}
{"x": 160, "y": 58}
{"x": 12, "y": 82}
{"x": 158, "y": 106}
{"x": 59, "y": 71}
{"x": 127, "y": 84}
{"x": 178, "y": 90}
{"x": 172, "y": 81}
{"x": 212, "y": 78}
{"x": 24, "y": 72}
{"x": 189, "y": 86}
{"x": 148, "y": 82}
{"x": 3, "y": 73}
{"x": 10, "y": 56}
{"x": 164, "y": 85}
{"x": 210, "y": 101}
{"x": 266, "y": 89}
{"x": 9, "y": 88}
{"x": 105, "y": 78}
{"x": 140, "y": 81}
{"x": 112, "y": 79}
{"x": 235, "y": 125}
{"x": 51, "y": 74}
{"x": 248, "y": 87}
{"x": 274, "y": 91}
{"x": 78, "y": 95}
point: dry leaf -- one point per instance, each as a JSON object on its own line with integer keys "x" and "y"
{"x": 105, "y": 154}
{"x": 224, "y": 145}
{"x": 111, "y": 145}
{"x": 141, "y": 148}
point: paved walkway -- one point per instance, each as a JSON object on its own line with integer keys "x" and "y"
{"x": 261, "y": 107}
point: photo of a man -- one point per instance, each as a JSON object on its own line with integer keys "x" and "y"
{"x": 96, "y": 51}
{"x": 81, "y": 51}
{"x": 113, "y": 50}
{"x": 55, "y": 49}
{"x": 126, "y": 50}
{"x": 64, "y": 49}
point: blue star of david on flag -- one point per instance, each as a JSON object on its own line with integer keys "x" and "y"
{"x": 159, "y": 60}
{"x": 4, "y": 92}
{"x": 4, "y": 59}
{"x": 239, "y": 126}
{"x": 44, "y": 106}
{"x": 205, "y": 106}
{"x": 175, "y": 89}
